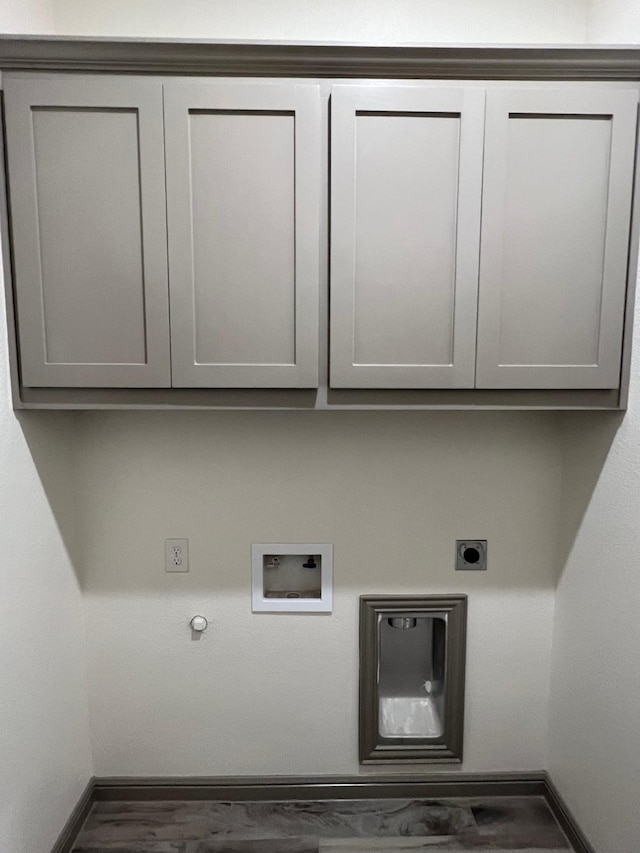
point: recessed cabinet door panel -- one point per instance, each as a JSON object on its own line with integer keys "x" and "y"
{"x": 243, "y": 184}
{"x": 555, "y": 234}
{"x": 86, "y": 173}
{"x": 406, "y": 175}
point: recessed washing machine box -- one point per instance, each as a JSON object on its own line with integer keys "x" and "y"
{"x": 292, "y": 577}
{"x": 412, "y": 666}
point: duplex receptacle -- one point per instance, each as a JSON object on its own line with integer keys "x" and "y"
{"x": 176, "y": 555}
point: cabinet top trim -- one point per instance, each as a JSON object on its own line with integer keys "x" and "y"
{"x": 286, "y": 59}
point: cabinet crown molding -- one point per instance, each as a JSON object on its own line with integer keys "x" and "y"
{"x": 308, "y": 59}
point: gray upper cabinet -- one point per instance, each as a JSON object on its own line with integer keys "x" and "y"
{"x": 86, "y": 179}
{"x": 243, "y": 189}
{"x": 406, "y": 182}
{"x": 558, "y": 179}
{"x": 167, "y": 233}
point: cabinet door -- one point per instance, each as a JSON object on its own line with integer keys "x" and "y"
{"x": 406, "y": 173}
{"x": 555, "y": 237}
{"x": 86, "y": 182}
{"x": 243, "y": 190}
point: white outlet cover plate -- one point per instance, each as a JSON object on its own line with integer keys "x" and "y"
{"x": 260, "y": 604}
{"x": 171, "y": 555}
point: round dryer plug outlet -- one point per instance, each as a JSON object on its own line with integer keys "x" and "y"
{"x": 471, "y": 555}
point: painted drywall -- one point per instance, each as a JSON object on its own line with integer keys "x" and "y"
{"x": 594, "y": 754}
{"x": 594, "y": 746}
{"x": 45, "y": 760}
{"x": 370, "y": 21}
{"x": 269, "y": 694}
{"x": 594, "y": 738}
{"x": 44, "y": 738}
{"x": 26, "y": 16}
{"x": 613, "y": 21}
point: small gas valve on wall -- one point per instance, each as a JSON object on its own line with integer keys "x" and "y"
{"x": 199, "y": 624}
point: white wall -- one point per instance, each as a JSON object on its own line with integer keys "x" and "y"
{"x": 26, "y": 16}
{"x": 613, "y": 21}
{"x": 594, "y": 751}
{"x": 45, "y": 760}
{"x": 267, "y": 694}
{"x": 44, "y": 740}
{"x": 372, "y": 21}
{"x": 594, "y": 745}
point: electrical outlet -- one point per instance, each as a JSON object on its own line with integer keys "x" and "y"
{"x": 176, "y": 555}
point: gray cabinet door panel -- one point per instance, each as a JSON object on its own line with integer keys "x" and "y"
{"x": 555, "y": 233}
{"x": 243, "y": 190}
{"x": 406, "y": 176}
{"x": 86, "y": 180}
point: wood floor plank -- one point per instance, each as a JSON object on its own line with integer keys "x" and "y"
{"x": 501, "y": 824}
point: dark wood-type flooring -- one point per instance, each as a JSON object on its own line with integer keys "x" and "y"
{"x": 522, "y": 824}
